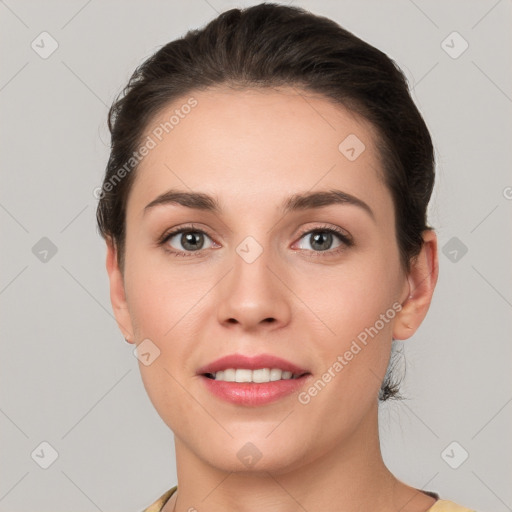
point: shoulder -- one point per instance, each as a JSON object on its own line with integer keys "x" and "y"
{"x": 161, "y": 501}
{"x": 448, "y": 506}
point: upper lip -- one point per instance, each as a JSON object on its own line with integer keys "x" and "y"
{"x": 251, "y": 363}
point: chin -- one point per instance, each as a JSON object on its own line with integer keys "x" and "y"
{"x": 254, "y": 454}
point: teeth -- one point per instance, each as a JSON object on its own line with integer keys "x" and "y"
{"x": 259, "y": 375}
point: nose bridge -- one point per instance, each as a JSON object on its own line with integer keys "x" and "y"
{"x": 252, "y": 293}
{"x": 251, "y": 262}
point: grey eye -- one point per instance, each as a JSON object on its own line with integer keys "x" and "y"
{"x": 320, "y": 240}
{"x": 189, "y": 240}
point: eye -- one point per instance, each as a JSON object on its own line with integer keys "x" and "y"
{"x": 185, "y": 240}
{"x": 321, "y": 239}
{"x": 191, "y": 241}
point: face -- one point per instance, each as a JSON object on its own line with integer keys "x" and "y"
{"x": 316, "y": 283}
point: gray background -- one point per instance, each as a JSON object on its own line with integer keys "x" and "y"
{"x": 67, "y": 376}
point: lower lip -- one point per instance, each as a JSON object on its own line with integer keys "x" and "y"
{"x": 252, "y": 393}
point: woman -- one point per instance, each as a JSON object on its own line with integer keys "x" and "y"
{"x": 264, "y": 208}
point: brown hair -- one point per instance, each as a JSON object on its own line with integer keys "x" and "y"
{"x": 271, "y": 45}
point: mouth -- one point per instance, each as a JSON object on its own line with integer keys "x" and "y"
{"x": 252, "y": 381}
{"x": 258, "y": 368}
{"x": 260, "y": 375}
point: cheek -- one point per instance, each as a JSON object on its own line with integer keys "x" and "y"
{"x": 353, "y": 358}
{"x": 349, "y": 298}
{"x": 355, "y": 307}
{"x": 163, "y": 309}
{"x": 162, "y": 295}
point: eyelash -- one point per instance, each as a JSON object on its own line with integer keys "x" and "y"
{"x": 344, "y": 238}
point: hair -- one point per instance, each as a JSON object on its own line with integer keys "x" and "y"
{"x": 266, "y": 46}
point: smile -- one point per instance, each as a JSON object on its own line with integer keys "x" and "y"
{"x": 259, "y": 375}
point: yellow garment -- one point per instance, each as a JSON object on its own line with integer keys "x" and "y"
{"x": 158, "y": 505}
{"x": 447, "y": 506}
{"x": 439, "y": 505}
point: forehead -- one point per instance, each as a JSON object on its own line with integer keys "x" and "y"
{"x": 258, "y": 144}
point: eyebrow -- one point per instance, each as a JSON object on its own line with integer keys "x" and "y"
{"x": 296, "y": 202}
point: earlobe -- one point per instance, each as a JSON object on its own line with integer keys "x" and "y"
{"x": 117, "y": 293}
{"x": 422, "y": 280}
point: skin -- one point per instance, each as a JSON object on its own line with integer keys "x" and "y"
{"x": 252, "y": 149}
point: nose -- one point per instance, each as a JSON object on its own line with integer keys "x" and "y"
{"x": 254, "y": 294}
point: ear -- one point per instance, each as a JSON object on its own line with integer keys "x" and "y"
{"x": 422, "y": 280}
{"x": 117, "y": 294}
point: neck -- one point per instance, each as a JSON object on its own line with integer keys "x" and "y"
{"x": 348, "y": 476}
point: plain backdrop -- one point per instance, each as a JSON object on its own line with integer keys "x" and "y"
{"x": 69, "y": 380}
